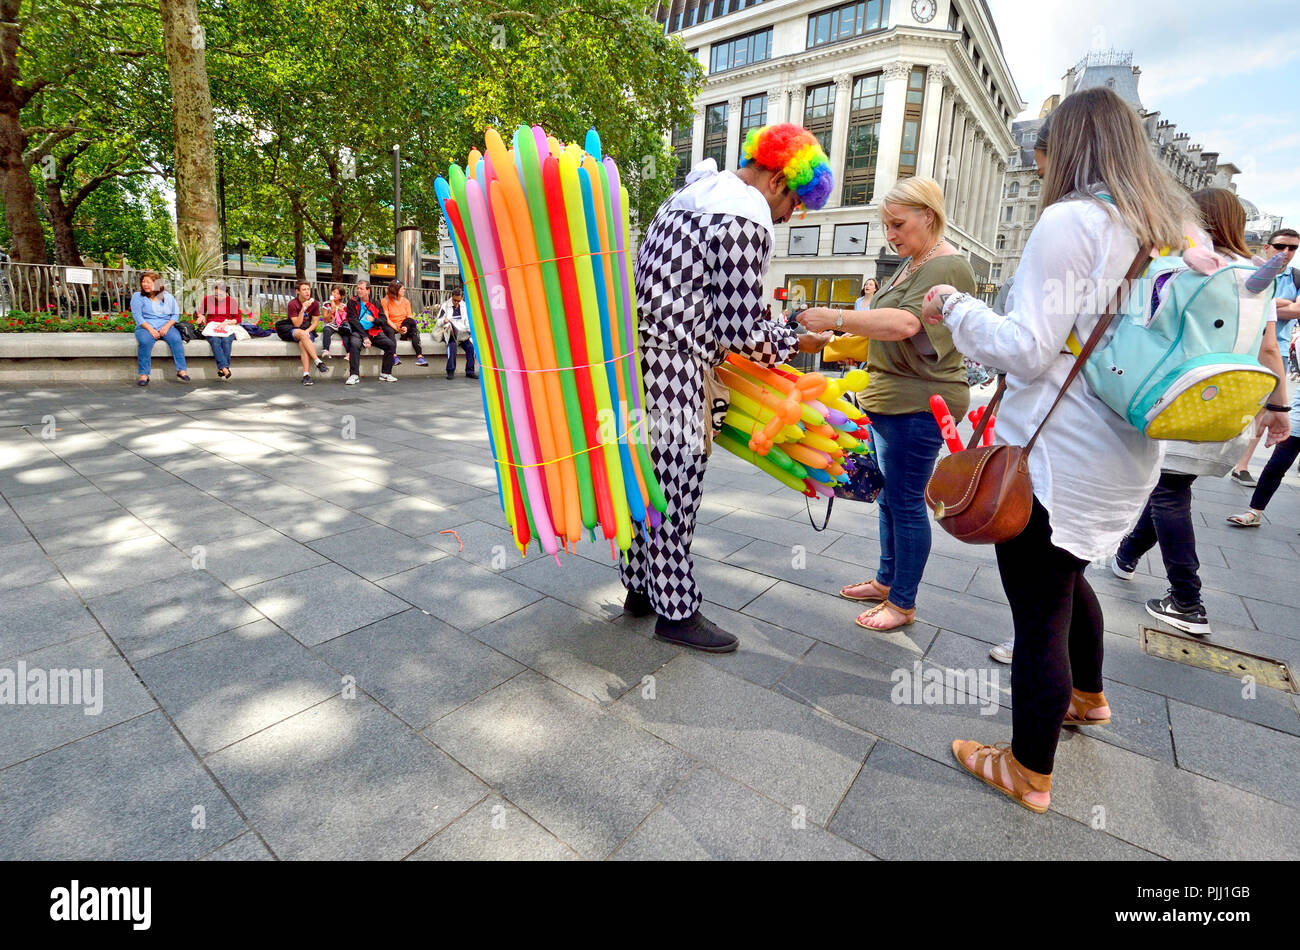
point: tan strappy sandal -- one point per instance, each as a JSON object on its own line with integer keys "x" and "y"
{"x": 1081, "y": 704}
{"x": 1005, "y": 765}
{"x": 909, "y": 617}
{"x": 881, "y": 588}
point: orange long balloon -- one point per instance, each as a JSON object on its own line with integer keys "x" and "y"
{"x": 528, "y": 344}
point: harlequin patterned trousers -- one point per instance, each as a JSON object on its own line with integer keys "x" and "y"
{"x": 661, "y": 566}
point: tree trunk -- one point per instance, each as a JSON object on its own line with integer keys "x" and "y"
{"x": 65, "y": 241}
{"x": 338, "y": 244}
{"x": 195, "y": 152}
{"x": 27, "y": 240}
{"x": 299, "y": 247}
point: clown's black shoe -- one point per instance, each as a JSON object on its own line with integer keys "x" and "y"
{"x": 698, "y": 633}
{"x": 637, "y": 603}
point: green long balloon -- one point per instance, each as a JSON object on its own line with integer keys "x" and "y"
{"x": 629, "y": 368}
{"x": 535, "y": 195}
{"x": 568, "y": 163}
{"x": 731, "y": 440}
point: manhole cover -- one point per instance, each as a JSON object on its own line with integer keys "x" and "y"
{"x": 1220, "y": 659}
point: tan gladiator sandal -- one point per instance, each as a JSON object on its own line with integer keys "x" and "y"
{"x": 1005, "y": 766}
{"x": 1081, "y": 704}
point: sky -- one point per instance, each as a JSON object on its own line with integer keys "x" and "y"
{"x": 1228, "y": 74}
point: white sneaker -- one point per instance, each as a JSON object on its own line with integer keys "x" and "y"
{"x": 352, "y": 381}
{"x": 1002, "y": 652}
{"x": 1121, "y": 570}
{"x": 387, "y": 378}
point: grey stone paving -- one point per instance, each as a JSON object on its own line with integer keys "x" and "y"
{"x": 317, "y": 640}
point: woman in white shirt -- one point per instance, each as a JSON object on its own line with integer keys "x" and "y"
{"x": 1091, "y": 470}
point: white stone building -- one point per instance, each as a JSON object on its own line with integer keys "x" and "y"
{"x": 892, "y": 89}
{"x": 1192, "y": 166}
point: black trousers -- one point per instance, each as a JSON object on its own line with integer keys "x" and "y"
{"x": 410, "y": 331}
{"x": 1058, "y": 646}
{"x": 1167, "y": 519}
{"x": 1284, "y": 453}
{"x": 385, "y": 342}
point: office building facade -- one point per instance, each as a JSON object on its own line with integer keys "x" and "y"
{"x": 891, "y": 88}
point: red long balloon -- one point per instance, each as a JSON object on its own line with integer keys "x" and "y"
{"x": 577, "y": 340}
{"x": 947, "y": 425}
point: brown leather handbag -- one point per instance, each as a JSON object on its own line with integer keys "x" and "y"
{"x": 984, "y": 495}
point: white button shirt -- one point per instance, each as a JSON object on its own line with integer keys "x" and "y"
{"x": 1091, "y": 470}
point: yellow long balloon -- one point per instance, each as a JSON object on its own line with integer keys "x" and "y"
{"x": 565, "y": 508}
{"x": 568, "y": 163}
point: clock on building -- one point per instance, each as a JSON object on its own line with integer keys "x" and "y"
{"x": 924, "y": 10}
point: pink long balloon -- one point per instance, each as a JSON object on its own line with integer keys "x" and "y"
{"x": 504, "y": 319}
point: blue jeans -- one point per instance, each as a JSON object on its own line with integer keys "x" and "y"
{"x": 906, "y": 446}
{"x": 468, "y": 345}
{"x": 221, "y": 350}
{"x": 144, "y": 349}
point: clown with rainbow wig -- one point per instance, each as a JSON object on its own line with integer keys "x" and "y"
{"x": 699, "y": 289}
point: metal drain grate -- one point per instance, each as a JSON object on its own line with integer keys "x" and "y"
{"x": 1220, "y": 659}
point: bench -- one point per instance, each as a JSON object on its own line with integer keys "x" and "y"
{"x": 50, "y": 358}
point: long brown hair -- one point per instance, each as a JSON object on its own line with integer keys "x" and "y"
{"x": 1225, "y": 219}
{"x": 1097, "y": 143}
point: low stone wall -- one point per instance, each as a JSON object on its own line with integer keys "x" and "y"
{"x": 54, "y": 358}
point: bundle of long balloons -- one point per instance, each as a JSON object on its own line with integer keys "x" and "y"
{"x": 796, "y": 427}
{"x": 541, "y": 236}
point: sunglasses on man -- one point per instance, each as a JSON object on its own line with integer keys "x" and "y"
{"x": 1285, "y": 247}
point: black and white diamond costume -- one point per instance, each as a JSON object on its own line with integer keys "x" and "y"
{"x": 699, "y": 287}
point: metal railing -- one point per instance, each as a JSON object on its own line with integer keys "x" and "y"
{"x": 71, "y": 292}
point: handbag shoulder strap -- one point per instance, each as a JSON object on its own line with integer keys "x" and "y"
{"x": 988, "y": 413}
{"x": 1103, "y": 322}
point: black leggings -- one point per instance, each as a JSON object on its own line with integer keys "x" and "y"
{"x": 1058, "y": 627}
{"x": 1284, "y": 453}
{"x": 411, "y": 332}
{"x": 1167, "y": 519}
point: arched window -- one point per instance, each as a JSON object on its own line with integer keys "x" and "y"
{"x": 1013, "y": 189}
{"x": 1002, "y": 242}
{"x": 1033, "y": 189}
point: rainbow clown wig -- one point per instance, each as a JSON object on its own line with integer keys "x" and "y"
{"x": 794, "y": 150}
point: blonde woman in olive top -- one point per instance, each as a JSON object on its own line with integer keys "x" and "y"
{"x": 909, "y": 361}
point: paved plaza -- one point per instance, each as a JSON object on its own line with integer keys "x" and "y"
{"x": 300, "y": 660}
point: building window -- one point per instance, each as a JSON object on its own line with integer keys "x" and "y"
{"x": 804, "y": 241}
{"x": 847, "y": 21}
{"x": 702, "y": 11}
{"x": 864, "y": 139}
{"x": 1034, "y": 188}
{"x": 1006, "y": 216}
{"x": 1013, "y": 189}
{"x": 1002, "y": 242}
{"x": 819, "y": 113}
{"x": 715, "y": 134}
{"x": 836, "y": 290}
{"x": 682, "y": 149}
{"x": 996, "y": 276}
{"x": 1033, "y": 210}
{"x": 912, "y": 123}
{"x": 741, "y": 51}
{"x": 753, "y": 114}
{"x": 952, "y": 18}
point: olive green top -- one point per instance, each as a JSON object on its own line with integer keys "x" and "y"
{"x": 902, "y": 377}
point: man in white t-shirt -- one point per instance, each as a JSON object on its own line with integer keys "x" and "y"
{"x": 455, "y": 316}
